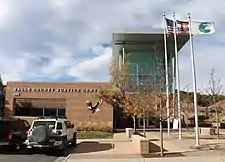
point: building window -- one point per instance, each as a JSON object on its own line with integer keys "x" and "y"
{"x": 50, "y": 112}
{"x": 40, "y": 107}
{"x": 61, "y": 112}
{"x": 35, "y": 112}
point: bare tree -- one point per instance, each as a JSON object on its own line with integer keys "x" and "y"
{"x": 214, "y": 90}
{"x": 187, "y": 105}
{"x": 159, "y": 99}
{"x": 145, "y": 98}
{"x": 124, "y": 94}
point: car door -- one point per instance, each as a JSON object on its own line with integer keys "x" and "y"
{"x": 16, "y": 129}
{"x": 21, "y": 129}
{"x": 60, "y": 128}
{"x": 26, "y": 126}
{"x": 4, "y": 129}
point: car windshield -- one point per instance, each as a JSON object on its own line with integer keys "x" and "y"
{"x": 50, "y": 124}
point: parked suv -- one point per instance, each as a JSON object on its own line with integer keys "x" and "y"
{"x": 51, "y": 132}
{"x": 13, "y": 132}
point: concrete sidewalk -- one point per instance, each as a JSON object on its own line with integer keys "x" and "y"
{"x": 187, "y": 143}
{"x": 121, "y": 149}
{"x": 171, "y": 144}
{"x": 174, "y": 159}
{"x": 119, "y": 146}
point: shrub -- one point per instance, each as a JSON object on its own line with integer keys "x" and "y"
{"x": 95, "y": 126}
{"x": 93, "y": 135}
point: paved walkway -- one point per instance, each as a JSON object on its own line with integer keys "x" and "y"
{"x": 121, "y": 147}
{"x": 175, "y": 159}
{"x": 187, "y": 143}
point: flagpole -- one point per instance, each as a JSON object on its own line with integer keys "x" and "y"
{"x": 167, "y": 77}
{"x": 123, "y": 53}
{"x": 173, "y": 84}
{"x": 177, "y": 76}
{"x": 194, "y": 82}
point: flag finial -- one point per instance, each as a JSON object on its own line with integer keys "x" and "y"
{"x": 189, "y": 15}
{"x": 173, "y": 14}
{"x": 163, "y": 14}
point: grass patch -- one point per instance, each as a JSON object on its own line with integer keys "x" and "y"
{"x": 93, "y": 135}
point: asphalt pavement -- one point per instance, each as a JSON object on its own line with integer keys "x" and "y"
{"x": 23, "y": 155}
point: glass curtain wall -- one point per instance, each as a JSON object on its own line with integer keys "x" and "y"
{"x": 148, "y": 68}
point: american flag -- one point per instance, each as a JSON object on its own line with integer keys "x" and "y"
{"x": 180, "y": 26}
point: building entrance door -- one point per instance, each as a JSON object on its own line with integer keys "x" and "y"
{"x": 148, "y": 123}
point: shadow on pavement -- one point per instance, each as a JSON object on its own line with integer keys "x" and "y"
{"x": 166, "y": 154}
{"x": 212, "y": 146}
{"x": 155, "y": 148}
{"x": 10, "y": 151}
{"x": 87, "y": 147}
{"x": 154, "y": 139}
{"x": 201, "y": 136}
{"x": 155, "y": 152}
{"x": 25, "y": 151}
{"x": 210, "y": 137}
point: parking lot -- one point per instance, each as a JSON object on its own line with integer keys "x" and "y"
{"x": 24, "y": 156}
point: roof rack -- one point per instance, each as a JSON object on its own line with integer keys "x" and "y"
{"x": 52, "y": 117}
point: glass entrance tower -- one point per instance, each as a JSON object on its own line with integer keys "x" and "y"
{"x": 144, "y": 51}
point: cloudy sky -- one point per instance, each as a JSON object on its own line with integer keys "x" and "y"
{"x": 69, "y": 40}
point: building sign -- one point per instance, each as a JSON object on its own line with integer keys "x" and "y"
{"x": 54, "y": 90}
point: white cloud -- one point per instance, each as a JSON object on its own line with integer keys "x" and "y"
{"x": 4, "y": 13}
{"x": 93, "y": 69}
{"x": 98, "y": 49}
{"x": 58, "y": 62}
{"x": 57, "y": 38}
{"x": 14, "y": 68}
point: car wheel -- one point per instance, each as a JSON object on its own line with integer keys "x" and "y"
{"x": 17, "y": 146}
{"x": 30, "y": 151}
{"x": 63, "y": 148}
{"x": 74, "y": 140}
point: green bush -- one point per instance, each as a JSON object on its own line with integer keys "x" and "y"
{"x": 93, "y": 135}
{"x": 90, "y": 128}
{"x": 94, "y": 126}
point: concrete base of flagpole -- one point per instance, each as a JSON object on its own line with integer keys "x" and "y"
{"x": 168, "y": 127}
{"x": 197, "y": 147}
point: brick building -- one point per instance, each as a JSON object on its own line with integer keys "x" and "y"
{"x": 2, "y": 97}
{"x": 31, "y": 99}
{"x": 141, "y": 48}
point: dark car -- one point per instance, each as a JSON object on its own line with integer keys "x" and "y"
{"x": 13, "y": 133}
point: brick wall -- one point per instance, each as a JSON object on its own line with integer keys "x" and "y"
{"x": 75, "y": 94}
